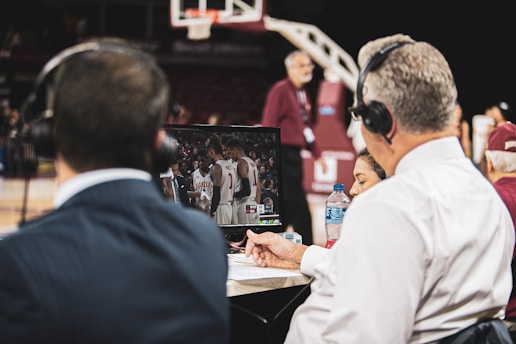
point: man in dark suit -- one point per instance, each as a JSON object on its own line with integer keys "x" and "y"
{"x": 180, "y": 185}
{"x": 114, "y": 262}
{"x": 269, "y": 197}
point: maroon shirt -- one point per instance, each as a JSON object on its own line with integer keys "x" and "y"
{"x": 283, "y": 110}
{"x": 506, "y": 187}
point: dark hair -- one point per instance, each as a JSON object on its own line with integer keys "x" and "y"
{"x": 505, "y": 109}
{"x": 109, "y": 106}
{"x": 224, "y": 139}
{"x": 215, "y": 145}
{"x": 234, "y": 143}
{"x": 364, "y": 153}
{"x": 201, "y": 152}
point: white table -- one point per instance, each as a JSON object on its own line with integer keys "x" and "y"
{"x": 247, "y": 278}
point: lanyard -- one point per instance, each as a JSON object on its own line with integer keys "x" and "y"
{"x": 303, "y": 104}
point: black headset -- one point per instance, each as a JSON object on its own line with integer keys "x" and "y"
{"x": 37, "y": 110}
{"x": 375, "y": 115}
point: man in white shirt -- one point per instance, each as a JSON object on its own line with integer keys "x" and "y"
{"x": 426, "y": 254}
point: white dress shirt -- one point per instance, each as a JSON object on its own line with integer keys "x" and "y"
{"x": 422, "y": 255}
{"x": 175, "y": 190}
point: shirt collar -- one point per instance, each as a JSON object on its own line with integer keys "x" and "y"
{"x": 428, "y": 152}
{"x": 87, "y": 179}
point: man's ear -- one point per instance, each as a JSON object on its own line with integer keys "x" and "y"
{"x": 489, "y": 166}
{"x": 490, "y": 172}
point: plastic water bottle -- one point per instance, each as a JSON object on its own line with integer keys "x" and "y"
{"x": 336, "y": 206}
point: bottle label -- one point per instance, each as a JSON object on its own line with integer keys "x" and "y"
{"x": 334, "y": 215}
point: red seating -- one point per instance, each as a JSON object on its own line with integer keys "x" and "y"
{"x": 234, "y": 92}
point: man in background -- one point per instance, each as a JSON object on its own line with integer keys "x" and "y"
{"x": 165, "y": 184}
{"x": 269, "y": 197}
{"x": 175, "y": 186}
{"x": 501, "y": 171}
{"x": 111, "y": 263}
{"x": 288, "y": 106}
{"x": 180, "y": 184}
{"x": 500, "y": 112}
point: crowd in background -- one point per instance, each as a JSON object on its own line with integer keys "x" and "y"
{"x": 257, "y": 146}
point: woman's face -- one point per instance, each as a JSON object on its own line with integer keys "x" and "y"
{"x": 365, "y": 177}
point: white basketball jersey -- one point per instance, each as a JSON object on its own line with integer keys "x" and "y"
{"x": 203, "y": 183}
{"x": 226, "y": 181}
{"x": 246, "y": 208}
{"x": 253, "y": 175}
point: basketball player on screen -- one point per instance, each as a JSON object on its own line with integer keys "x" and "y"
{"x": 222, "y": 174}
{"x": 247, "y": 196}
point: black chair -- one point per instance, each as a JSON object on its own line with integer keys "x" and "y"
{"x": 281, "y": 321}
{"x": 252, "y": 322}
{"x": 513, "y": 336}
{"x": 249, "y": 327}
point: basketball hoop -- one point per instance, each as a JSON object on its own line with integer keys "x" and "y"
{"x": 200, "y": 27}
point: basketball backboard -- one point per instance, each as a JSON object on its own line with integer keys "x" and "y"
{"x": 199, "y": 15}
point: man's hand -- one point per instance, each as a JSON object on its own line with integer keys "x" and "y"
{"x": 270, "y": 249}
{"x": 204, "y": 196}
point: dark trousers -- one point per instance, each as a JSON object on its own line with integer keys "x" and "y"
{"x": 295, "y": 205}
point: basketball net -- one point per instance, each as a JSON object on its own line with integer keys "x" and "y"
{"x": 200, "y": 28}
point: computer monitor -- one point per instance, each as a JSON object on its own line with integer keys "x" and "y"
{"x": 261, "y": 144}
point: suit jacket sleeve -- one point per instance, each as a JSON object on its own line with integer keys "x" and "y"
{"x": 17, "y": 305}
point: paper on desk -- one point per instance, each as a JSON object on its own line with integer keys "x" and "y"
{"x": 241, "y": 258}
{"x": 244, "y": 268}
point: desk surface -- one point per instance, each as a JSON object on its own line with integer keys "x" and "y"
{"x": 237, "y": 288}
{"x": 246, "y": 278}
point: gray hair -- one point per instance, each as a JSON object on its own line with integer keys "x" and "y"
{"x": 289, "y": 59}
{"x": 414, "y": 82}
{"x": 502, "y": 161}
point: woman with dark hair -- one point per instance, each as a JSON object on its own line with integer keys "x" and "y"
{"x": 367, "y": 172}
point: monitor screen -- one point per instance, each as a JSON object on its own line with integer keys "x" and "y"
{"x": 258, "y": 209}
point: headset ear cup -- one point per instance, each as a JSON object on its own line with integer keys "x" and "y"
{"x": 39, "y": 134}
{"x": 377, "y": 118}
{"x": 165, "y": 154}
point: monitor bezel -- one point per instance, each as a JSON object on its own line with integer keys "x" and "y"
{"x": 240, "y": 229}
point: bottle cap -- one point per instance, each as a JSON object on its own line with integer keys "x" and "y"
{"x": 338, "y": 187}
